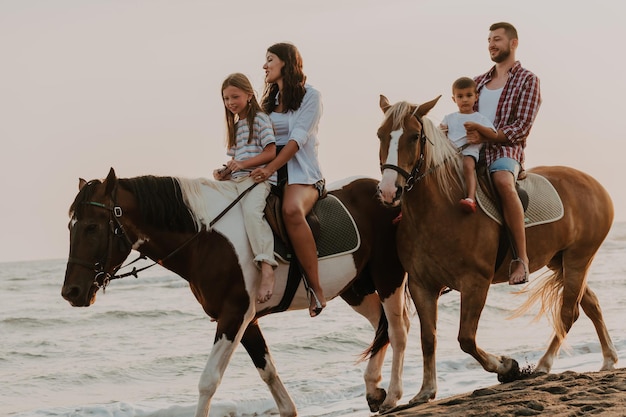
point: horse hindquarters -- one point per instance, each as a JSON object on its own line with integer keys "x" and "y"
{"x": 576, "y": 238}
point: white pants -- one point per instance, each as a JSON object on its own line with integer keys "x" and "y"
{"x": 259, "y": 232}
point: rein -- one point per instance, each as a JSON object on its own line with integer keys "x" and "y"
{"x": 103, "y": 278}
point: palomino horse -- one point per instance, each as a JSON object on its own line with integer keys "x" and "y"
{"x": 441, "y": 246}
{"x": 169, "y": 220}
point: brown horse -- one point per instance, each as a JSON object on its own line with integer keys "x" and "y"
{"x": 440, "y": 246}
{"x": 170, "y": 221}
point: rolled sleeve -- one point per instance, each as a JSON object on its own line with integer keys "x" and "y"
{"x": 307, "y": 118}
{"x": 527, "y": 109}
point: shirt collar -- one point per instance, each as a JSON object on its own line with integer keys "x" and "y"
{"x": 515, "y": 68}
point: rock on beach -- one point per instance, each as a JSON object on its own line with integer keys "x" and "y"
{"x": 566, "y": 394}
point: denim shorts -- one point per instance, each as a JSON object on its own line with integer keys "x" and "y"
{"x": 505, "y": 164}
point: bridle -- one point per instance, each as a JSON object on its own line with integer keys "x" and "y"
{"x": 101, "y": 268}
{"x": 102, "y": 277}
{"x": 412, "y": 177}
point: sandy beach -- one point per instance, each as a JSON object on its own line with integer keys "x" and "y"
{"x": 565, "y": 394}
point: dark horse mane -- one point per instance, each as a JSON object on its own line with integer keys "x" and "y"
{"x": 160, "y": 201}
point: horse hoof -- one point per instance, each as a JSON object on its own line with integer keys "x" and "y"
{"x": 422, "y": 397}
{"x": 375, "y": 400}
{"x": 513, "y": 374}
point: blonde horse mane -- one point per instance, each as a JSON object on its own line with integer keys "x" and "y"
{"x": 196, "y": 201}
{"x": 442, "y": 160}
{"x": 397, "y": 113}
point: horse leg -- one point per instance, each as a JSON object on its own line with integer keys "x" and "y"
{"x": 426, "y": 305}
{"x": 255, "y": 345}
{"x": 592, "y": 309}
{"x": 570, "y": 273}
{"x": 398, "y": 319}
{"x": 370, "y": 308}
{"x": 219, "y": 357}
{"x": 472, "y": 304}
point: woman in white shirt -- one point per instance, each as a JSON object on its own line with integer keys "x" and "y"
{"x": 295, "y": 109}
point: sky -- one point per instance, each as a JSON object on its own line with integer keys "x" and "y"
{"x": 86, "y": 85}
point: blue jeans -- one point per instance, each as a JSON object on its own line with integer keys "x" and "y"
{"x": 505, "y": 164}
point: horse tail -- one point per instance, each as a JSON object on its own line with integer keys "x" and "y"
{"x": 548, "y": 291}
{"x": 380, "y": 340}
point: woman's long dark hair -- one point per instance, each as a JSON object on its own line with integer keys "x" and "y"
{"x": 293, "y": 80}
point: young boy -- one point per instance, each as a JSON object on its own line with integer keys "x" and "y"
{"x": 454, "y": 124}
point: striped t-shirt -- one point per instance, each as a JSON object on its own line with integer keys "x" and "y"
{"x": 263, "y": 135}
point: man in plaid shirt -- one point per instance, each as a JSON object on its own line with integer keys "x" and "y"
{"x": 509, "y": 96}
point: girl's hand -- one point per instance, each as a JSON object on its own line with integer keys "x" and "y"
{"x": 261, "y": 174}
{"x": 444, "y": 128}
{"x": 222, "y": 173}
{"x": 234, "y": 165}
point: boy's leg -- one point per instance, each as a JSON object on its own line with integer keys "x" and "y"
{"x": 469, "y": 170}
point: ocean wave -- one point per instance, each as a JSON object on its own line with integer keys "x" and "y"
{"x": 32, "y": 323}
{"x": 142, "y": 314}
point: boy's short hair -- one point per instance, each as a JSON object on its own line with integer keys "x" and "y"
{"x": 463, "y": 82}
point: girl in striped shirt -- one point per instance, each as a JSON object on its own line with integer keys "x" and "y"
{"x": 251, "y": 144}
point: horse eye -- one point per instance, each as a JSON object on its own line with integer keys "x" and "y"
{"x": 91, "y": 228}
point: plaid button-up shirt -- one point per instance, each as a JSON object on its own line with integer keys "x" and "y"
{"x": 517, "y": 109}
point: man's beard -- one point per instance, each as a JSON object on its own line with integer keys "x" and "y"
{"x": 501, "y": 56}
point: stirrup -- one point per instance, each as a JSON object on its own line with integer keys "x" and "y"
{"x": 318, "y": 305}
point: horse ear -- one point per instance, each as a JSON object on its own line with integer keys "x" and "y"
{"x": 384, "y": 103}
{"x": 426, "y": 107}
{"x": 81, "y": 183}
{"x": 110, "y": 182}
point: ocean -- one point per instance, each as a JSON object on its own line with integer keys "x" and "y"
{"x": 140, "y": 349}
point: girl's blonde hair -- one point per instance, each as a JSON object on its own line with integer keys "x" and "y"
{"x": 240, "y": 81}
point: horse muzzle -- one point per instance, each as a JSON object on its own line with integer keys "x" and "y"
{"x": 79, "y": 294}
{"x": 391, "y": 197}
{"x": 73, "y": 296}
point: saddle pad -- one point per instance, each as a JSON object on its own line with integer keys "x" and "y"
{"x": 338, "y": 232}
{"x": 544, "y": 203}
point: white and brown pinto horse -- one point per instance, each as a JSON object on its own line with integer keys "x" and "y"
{"x": 440, "y": 246}
{"x": 169, "y": 220}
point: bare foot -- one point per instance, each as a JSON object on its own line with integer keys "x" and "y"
{"x": 518, "y": 271}
{"x": 266, "y": 288}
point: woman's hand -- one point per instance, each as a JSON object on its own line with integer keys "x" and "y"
{"x": 261, "y": 174}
